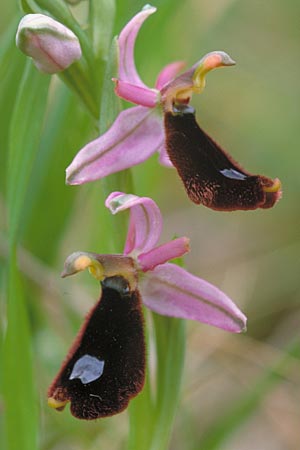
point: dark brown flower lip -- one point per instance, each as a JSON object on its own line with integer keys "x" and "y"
{"x": 105, "y": 366}
{"x": 210, "y": 175}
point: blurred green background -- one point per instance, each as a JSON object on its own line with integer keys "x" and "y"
{"x": 239, "y": 392}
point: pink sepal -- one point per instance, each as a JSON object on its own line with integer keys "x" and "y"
{"x": 171, "y": 291}
{"x": 134, "y": 136}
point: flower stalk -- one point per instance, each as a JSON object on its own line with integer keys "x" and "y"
{"x": 151, "y": 414}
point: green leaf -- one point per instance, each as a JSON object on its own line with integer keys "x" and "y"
{"x": 26, "y": 7}
{"x": 67, "y": 128}
{"x": 19, "y": 389}
{"x": 11, "y": 68}
{"x": 25, "y": 130}
{"x": 76, "y": 79}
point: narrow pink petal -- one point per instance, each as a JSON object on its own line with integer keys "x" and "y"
{"x": 172, "y": 291}
{"x": 163, "y": 253}
{"x": 168, "y": 73}
{"x": 145, "y": 222}
{"x": 134, "y": 136}
{"x": 143, "y": 96}
{"x": 164, "y": 157}
{"x": 126, "y": 41}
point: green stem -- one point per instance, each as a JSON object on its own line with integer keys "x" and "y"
{"x": 74, "y": 77}
{"x": 170, "y": 350}
{"x": 142, "y": 411}
{"x": 152, "y": 414}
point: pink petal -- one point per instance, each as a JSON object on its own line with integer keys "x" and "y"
{"x": 164, "y": 157}
{"x": 163, "y": 253}
{"x": 172, "y": 291}
{"x": 168, "y": 73}
{"x": 145, "y": 222}
{"x": 126, "y": 40}
{"x": 136, "y": 94}
{"x": 134, "y": 136}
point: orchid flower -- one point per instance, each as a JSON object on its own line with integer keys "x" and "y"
{"x": 209, "y": 174}
{"x": 105, "y": 367}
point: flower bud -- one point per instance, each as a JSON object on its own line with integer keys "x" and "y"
{"x": 51, "y": 45}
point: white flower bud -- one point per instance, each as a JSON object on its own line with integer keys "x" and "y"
{"x": 51, "y": 45}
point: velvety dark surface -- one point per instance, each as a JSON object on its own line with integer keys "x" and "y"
{"x": 199, "y": 162}
{"x": 113, "y": 333}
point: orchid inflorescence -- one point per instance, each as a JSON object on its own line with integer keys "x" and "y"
{"x": 105, "y": 367}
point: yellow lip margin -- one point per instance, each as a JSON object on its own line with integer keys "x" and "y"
{"x": 57, "y": 404}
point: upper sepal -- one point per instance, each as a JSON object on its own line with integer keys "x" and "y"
{"x": 126, "y": 43}
{"x": 145, "y": 223}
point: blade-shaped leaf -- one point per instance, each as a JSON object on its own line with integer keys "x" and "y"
{"x": 25, "y": 129}
{"x": 19, "y": 389}
{"x": 11, "y": 69}
{"x": 48, "y": 176}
